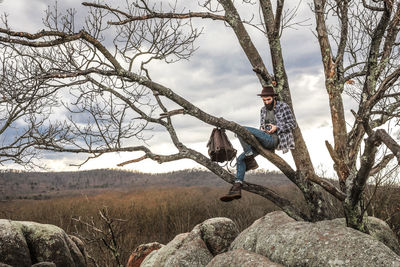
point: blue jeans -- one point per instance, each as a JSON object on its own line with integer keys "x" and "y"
{"x": 266, "y": 140}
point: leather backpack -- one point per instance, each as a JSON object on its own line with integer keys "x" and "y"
{"x": 220, "y": 148}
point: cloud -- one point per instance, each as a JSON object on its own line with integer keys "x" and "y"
{"x": 24, "y": 15}
{"x": 310, "y": 100}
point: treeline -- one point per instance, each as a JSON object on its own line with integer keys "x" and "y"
{"x": 44, "y": 185}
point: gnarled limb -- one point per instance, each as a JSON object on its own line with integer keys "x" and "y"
{"x": 381, "y": 165}
{"x": 153, "y": 15}
{"x": 389, "y": 142}
{"x": 233, "y": 19}
{"x": 353, "y": 208}
{"x": 341, "y": 168}
{"x": 332, "y": 75}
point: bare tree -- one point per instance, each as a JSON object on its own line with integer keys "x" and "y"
{"x": 360, "y": 57}
{"x": 104, "y": 66}
{"x": 106, "y": 233}
{"x": 25, "y": 103}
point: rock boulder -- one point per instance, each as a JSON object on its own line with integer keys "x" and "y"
{"x": 380, "y": 230}
{"x": 28, "y": 243}
{"x": 326, "y": 243}
{"x": 217, "y": 233}
{"x": 13, "y": 247}
{"x": 241, "y": 258}
{"x": 137, "y": 256}
{"x": 196, "y": 248}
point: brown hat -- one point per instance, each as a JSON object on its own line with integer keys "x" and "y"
{"x": 268, "y": 91}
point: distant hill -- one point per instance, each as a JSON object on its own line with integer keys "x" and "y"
{"x": 42, "y": 185}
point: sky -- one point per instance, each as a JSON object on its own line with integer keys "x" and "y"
{"x": 219, "y": 80}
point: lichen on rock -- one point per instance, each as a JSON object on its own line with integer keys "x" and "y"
{"x": 196, "y": 248}
{"x": 26, "y": 243}
{"x": 324, "y": 243}
{"x": 241, "y": 258}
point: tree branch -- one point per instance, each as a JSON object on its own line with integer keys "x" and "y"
{"x": 156, "y": 157}
{"x": 330, "y": 188}
{"x": 367, "y": 161}
{"x": 383, "y": 87}
{"x": 63, "y": 38}
{"x": 340, "y": 166}
{"x": 333, "y": 70}
{"x": 154, "y": 15}
{"x": 132, "y": 161}
{"x": 278, "y": 15}
{"x": 234, "y": 20}
{"x": 381, "y": 165}
{"x": 172, "y": 113}
{"x": 343, "y": 6}
{"x": 389, "y": 142}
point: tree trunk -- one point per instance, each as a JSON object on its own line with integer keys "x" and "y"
{"x": 305, "y": 169}
{"x": 355, "y": 217}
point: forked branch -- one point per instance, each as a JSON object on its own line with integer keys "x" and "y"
{"x": 155, "y": 15}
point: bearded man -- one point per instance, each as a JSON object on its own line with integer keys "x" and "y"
{"x": 276, "y": 125}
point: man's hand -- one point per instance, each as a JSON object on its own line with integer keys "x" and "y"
{"x": 272, "y": 130}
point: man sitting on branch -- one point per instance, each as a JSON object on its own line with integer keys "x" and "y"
{"x": 276, "y": 125}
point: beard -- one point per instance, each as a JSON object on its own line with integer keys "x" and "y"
{"x": 270, "y": 106}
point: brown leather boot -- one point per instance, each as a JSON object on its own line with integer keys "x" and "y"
{"x": 234, "y": 193}
{"x": 251, "y": 163}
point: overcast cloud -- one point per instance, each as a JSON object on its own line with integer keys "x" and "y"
{"x": 219, "y": 80}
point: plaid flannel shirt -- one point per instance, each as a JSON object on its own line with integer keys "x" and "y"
{"x": 285, "y": 123}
